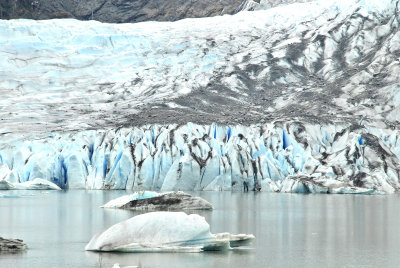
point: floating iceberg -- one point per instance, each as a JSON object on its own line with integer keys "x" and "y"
{"x": 35, "y": 184}
{"x": 116, "y": 265}
{"x": 148, "y": 200}
{"x": 6, "y": 185}
{"x": 11, "y": 245}
{"x": 321, "y": 185}
{"x": 121, "y": 201}
{"x": 164, "y": 232}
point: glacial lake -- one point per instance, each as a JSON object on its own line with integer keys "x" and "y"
{"x": 291, "y": 230}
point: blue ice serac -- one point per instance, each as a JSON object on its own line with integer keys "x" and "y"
{"x": 213, "y": 157}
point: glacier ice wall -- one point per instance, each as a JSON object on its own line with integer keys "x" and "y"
{"x": 286, "y": 157}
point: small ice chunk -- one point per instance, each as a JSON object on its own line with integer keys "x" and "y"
{"x": 6, "y": 185}
{"x": 11, "y": 245}
{"x": 353, "y": 190}
{"x": 36, "y": 184}
{"x": 237, "y": 240}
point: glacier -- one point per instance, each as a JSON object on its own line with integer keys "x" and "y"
{"x": 164, "y": 232}
{"x": 323, "y": 61}
{"x": 271, "y": 157}
{"x": 298, "y": 98}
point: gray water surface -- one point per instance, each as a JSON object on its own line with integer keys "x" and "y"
{"x": 291, "y": 230}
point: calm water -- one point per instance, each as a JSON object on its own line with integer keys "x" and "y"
{"x": 291, "y": 230}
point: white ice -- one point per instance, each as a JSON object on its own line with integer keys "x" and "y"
{"x": 88, "y": 69}
{"x": 175, "y": 201}
{"x": 158, "y": 158}
{"x": 35, "y": 184}
{"x": 120, "y": 201}
{"x": 162, "y": 231}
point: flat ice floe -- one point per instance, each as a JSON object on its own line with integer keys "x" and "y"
{"x": 164, "y": 232}
{"x": 148, "y": 200}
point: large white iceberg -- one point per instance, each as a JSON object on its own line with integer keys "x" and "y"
{"x": 165, "y": 232}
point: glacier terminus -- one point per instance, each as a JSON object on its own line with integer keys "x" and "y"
{"x": 286, "y": 157}
{"x": 299, "y": 98}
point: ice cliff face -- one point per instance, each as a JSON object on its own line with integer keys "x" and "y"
{"x": 306, "y": 98}
{"x": 286, "y": 157}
